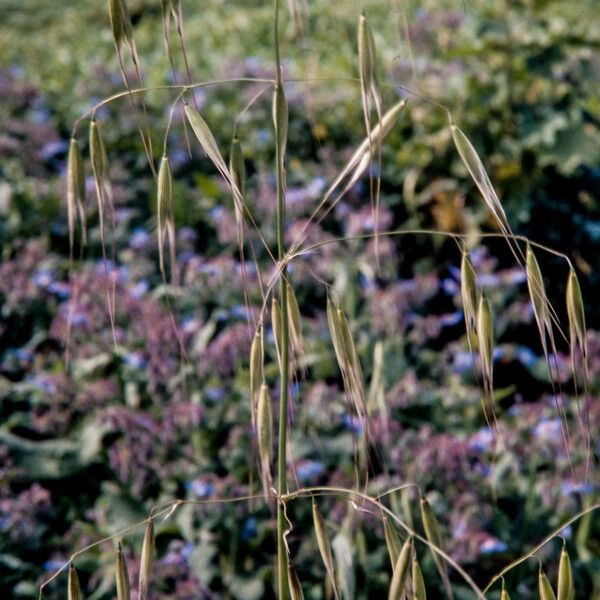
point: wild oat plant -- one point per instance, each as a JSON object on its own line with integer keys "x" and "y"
{"x": 279, "y": 354}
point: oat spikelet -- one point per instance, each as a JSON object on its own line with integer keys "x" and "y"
{"x": 485, "y": 336}
{"x": 264, "y": 435}
{"x": 238, "y": 174}
{"x": 164, "y": 213}
{"x": 280, "y": 121}
{"x": 476, "y": 169}
{"x": 76, "y": 195}
{"x": 392, "y": 541}
{"x": 74, "y": 589}
{"x": 401, "y": 571}
{"x": 104, "y": 197}
{"x": 504, "y": 595}
{"x": 566, "y": 590}
{"x": 468, "y": 291}
{"x": 294, "y": 319}
{"x": 257, "y": 361}
{"x": 418, "y": 583}
{"x": 146, "y": 559}
{"x": 296, "y": 592}
{"x": 576, "y": 313}
{"x": 545, "y": 589}
{"x": 324, "y": 544}
{"x": 211, "y": 149}
{"x": 122, "y": 576}
{"x": 434, "y": 537}
{"x": 276, "y": 325}
{"x": 539, "y": 300}
{"x": 119, "y": 22}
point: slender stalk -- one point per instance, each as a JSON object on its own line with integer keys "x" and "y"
{"x": 282, "y": 584}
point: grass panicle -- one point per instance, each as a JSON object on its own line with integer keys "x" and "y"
{"x": 545, "y": 589}
{"x": 324, "y": 544}
{"x": 476, "y": 169}
{"x": 257, "y": 376}
{"x": 434, "y": 537}
{"x": 565, "y": 587}
{"x": 238, "y": 173}
{"x": 418, "y": 583}
{"x": 468, "y": 292}
{"x": 146, "y": 559}
{"x": 122, "y": 576}
{"x": 296, "y": 592}
{"x": 76, "y": 195}
{"x": 120, "y": 23}
{"x": 276, "y": 325}
{"x": 280, "y": 121}
{"x": 401, "y": 573}
{"x": 295, "y": 322}
{"x": 392, "y": 541}
{"x": 539, "y": 299}
{"x": 164, "y": 215}
{"x": 265, "y": 436}
{"x": 576, "y": 313}
{"x": 74, "y": 588}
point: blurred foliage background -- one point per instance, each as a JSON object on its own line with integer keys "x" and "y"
{"x": 89, "y": 447}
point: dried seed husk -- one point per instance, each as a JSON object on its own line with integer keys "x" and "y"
{"x": 323, "y": 543}
{"x": 468, "y": 290}
{"x": 565, "y": 577}
{"x": 74, "y": 588}
{"x": 146, "y": 559}
{"x": 392, "y": 541}
{"x": 122, "y": 576}
{"x": 265, "y": 424}
{"x": 280, "y": 120}
{"x": 296, "y": 592}
{"x": 576, "y": 312}
{"x": 418, "y": 582}
{"x": 434, "y": 537}
{"x": 545, "y": 589}
{"x": 401, "y": 571}
{"x": 75, "y": 194}
{"x": 257, "y": 361}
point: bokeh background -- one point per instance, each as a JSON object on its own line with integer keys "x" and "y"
{"x": 88, "y": 447}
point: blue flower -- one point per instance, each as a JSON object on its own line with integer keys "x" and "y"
{"x": 200, "y": 488}
{"x": 249, "y": 530}
{"x": 353, "y": 423}
{"x": 309, "y": 470}
{"x": 135, "y": 360}
{"x": 492, "y": 545}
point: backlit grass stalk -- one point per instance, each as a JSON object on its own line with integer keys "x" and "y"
{"x": 280, "y": 123}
